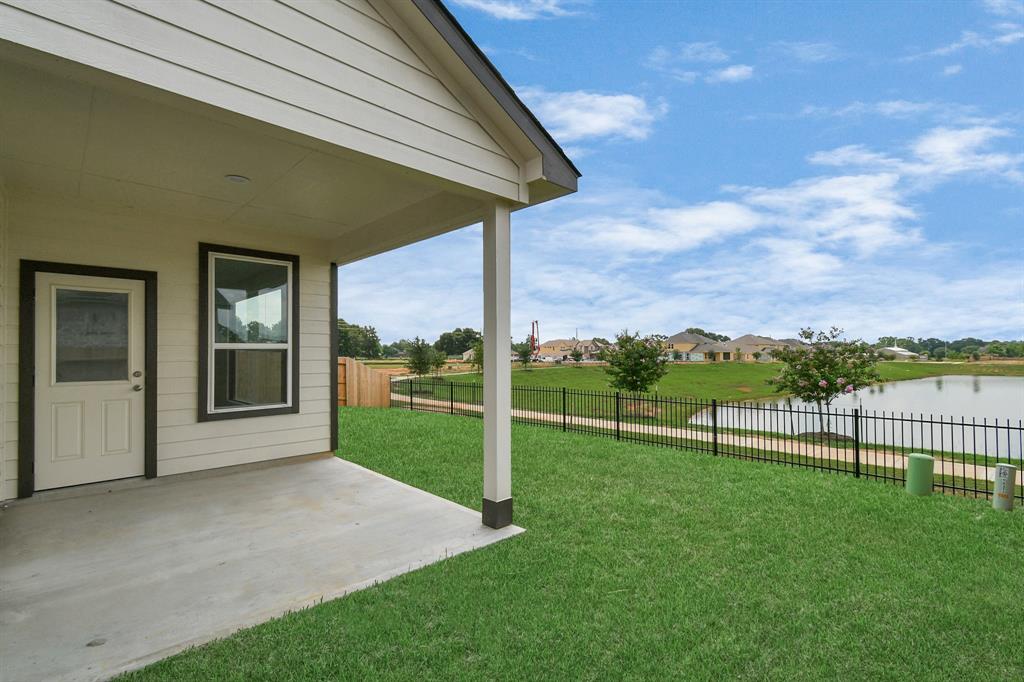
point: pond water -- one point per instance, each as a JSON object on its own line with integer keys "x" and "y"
{"x": 995, "y": 404}
{"x": 951, "y": 396}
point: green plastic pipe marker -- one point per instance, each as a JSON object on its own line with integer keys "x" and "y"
{"x": 920, "y": 468}
{"x": 1006, "y": 479}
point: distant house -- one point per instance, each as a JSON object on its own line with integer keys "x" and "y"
{"x": 754, "y": 348}
{"x": 746, "y": 348}
{"x": 561, "y": 349}
{"x": 897, "y": 353}
{"x": 469, "y": 355}
{"x": 684, "y": 342}
{"x": 683, "y": 346}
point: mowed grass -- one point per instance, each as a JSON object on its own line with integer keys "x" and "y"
{"x": 732, "y": 380}
{"x": 649, "y": 563}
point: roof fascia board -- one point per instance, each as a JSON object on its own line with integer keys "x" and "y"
{"x": 557, "y": 167}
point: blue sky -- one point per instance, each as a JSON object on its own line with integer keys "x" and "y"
{"x": 748, "y": 167}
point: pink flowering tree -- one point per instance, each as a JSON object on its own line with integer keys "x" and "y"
{"x": 825, "y": 367}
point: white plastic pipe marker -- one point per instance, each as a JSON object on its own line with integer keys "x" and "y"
{"x": 1006, "y": 478}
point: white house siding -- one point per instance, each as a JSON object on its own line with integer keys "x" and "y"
{"x": 336, "y": 71}
{"x": 4, "y": 373}
{"x": 60, "y": 230}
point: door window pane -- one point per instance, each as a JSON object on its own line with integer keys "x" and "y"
{"x": 251, "y": 301}
{"x": 91, "y": 336}
{"x": 246, "y": 378}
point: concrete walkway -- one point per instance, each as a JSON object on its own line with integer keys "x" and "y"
{"x": 755, "y": 443}
{"x": 110, "y": 581}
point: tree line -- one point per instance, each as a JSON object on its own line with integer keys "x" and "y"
{"x": 966, "y": 348}
{"x": 358, "y": 341}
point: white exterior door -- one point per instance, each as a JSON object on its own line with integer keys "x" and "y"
{"x": 90, "y": 352}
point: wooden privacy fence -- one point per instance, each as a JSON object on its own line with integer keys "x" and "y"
{"x": 362, "y": 386}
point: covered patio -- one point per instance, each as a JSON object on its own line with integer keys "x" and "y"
{"x": 179, "y": 184}
{"x": 107, "y": 578}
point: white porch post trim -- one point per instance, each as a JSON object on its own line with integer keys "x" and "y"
{"x": 497, "y": 506}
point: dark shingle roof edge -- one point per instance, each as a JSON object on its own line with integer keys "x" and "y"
{"x": 558, "y": 168}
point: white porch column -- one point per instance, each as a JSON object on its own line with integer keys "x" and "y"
{"x": 497, "y": 508}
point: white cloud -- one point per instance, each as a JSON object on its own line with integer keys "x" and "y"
{"x": 521, "y": 10}
{"x": 952, "y": 70}
{"x": 1005, "y": 8}
{"x": 944, "y": 112}
{"x": 578, "y": 115}
{"x": 1003, "y": 34}
{"x": 687, "y": 63}
{"x": 731, "y": 74}
{"x": 809, "y": 52}
{"x": 868, "y": 212}
{"x": 667, "y": 230}
{"x": 936, "y": 155}
{"x": 689, "y": 52}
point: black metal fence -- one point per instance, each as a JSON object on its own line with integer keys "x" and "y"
{"x": 861, "y": 443}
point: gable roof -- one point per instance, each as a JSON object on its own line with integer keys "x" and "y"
{"x": 557, "y": 167}
{"x": 686, "y": 337}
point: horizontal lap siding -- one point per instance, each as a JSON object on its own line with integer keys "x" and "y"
{"x": 341, "y": 63}
{"x": 64, "y": 231}
{"x": 8, "y": 473}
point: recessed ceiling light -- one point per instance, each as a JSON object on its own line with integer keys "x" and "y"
{"x": 240, "y": 179}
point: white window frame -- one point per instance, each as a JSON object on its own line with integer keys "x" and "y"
{"x": 213, "y": 345}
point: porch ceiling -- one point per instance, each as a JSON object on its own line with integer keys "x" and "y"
{"x": 107, "y": 582}
{"x": 77, "y": 132}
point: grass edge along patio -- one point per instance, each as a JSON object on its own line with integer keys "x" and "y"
{"x": 655, "y": 563}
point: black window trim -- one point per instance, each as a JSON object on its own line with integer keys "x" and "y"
{"x": 204, "y": 414}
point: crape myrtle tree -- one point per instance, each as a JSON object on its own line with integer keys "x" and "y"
{"x": 823, "y": 369}
{"x": 635, "y": 363}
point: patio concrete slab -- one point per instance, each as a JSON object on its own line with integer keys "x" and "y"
{"x": 94, "y": 585}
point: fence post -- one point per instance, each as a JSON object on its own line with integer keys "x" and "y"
{"x": 411, "y": 408}
{"x": 714, "y": 427}
{"x": 856, "y": 442}
{"x": 565, "y": 412}
{"x": 451, "y": 397}
{"x": 618, "y": 429}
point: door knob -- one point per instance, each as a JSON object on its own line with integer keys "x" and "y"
{"x": 136, "y": 387}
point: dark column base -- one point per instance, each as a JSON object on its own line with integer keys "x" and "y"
{"x": 497, "y": 514}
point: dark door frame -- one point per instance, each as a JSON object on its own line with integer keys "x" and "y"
{"x": 27, "y": 361}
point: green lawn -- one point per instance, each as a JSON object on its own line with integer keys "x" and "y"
{"x": 733, "y": 380}
{"x": 650, "y": 563}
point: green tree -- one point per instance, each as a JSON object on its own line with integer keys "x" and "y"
{"x": 457, "y": 341}
{"x": 355, "y": 341}
{"x": 635, "y": 363}
{"x": 826, "y": 367}
{"x": 396, "y": 349}
{"x": 477, "y": 361}
{"x": 576, "y": 355}
{"x": 524, "y": 352}
{"x": 421, "y": 358}
{"x": 438, "y": 361}
{"x": 711, "y": 335}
